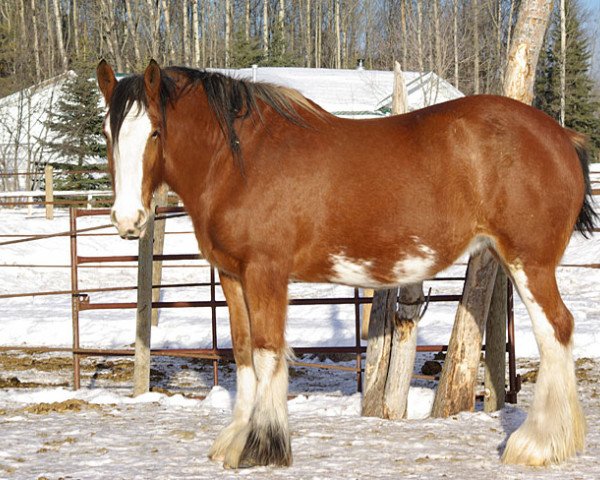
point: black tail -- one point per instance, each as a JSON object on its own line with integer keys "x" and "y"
{"x": 587, "y": 216}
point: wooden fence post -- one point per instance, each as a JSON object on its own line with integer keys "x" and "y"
{"x": 495, "y": 346}
{"x": 141, "y": 372}
{"x": 161, "y": 198}
{"x": 403, "y": 351}
{"x": 49, "y": 182}
{"x": 378, "y": 351}
{"x": 366, "y": 313}
{"x": 456, "y": 388}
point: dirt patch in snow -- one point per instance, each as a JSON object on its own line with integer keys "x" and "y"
{"x": 72, "y": 405}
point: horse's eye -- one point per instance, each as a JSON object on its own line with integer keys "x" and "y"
{"x": 155, "y": 134}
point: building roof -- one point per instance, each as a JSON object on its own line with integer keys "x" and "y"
{"x": 354, "y": 92}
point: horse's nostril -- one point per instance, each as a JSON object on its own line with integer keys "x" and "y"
{"x": 141, "y": 220}
{"x": 113, "y": 217}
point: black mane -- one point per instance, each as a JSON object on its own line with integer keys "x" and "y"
{"x": 230, "y": 99}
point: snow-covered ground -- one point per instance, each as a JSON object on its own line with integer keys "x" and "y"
{"x": 106, "y": 434}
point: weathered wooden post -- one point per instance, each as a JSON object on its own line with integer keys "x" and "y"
{"x": 161, "y": 198}
{"x": 141, "y": 372}
{"x": 381, "y": 327}
{"x": 392, "y": 335}
{"x": 456, "y": 388}
{"x": 404, "y": 349}
{"x": 495, "y": 346}
{"x": 49, "y": 182}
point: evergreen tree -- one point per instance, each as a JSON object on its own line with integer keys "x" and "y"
{"x": 244, "y": 53}
{"x": 582, "y": 108}
{"x": 75, "y": 126}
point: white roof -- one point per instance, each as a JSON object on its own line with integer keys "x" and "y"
{"x": 357, "y": 91}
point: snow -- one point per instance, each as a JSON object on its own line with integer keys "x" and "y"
{"x": 354, "y": 90}
{"x": 113, "y": 435}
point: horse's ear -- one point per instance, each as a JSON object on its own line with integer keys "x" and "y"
{"x": 152, "y": 81}
{"x": 106, "y": 80}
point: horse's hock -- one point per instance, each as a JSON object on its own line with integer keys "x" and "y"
{"x": 396, "y": 345}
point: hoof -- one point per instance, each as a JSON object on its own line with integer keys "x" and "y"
{"x": 534, "y": 447}
{"x": 224, "y": 441}
{"x": 267, "y": 446}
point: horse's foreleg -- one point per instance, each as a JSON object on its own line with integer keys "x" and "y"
{"x": 246, "y": 378}
{"x": 555, "y": 427}
{"x": 266, "y": 439}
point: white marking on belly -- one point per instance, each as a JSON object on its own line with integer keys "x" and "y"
{"x": 414, "y": 269}
{"x": 351, "y": 272}
{"x": 358, "y": 272}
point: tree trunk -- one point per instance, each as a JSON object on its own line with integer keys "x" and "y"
{"x": 204, "y": 31}
{"x": 247, "y": 22}
{"x": 154, "y": 11}
{"x": 59, "y": 36}
{"x": 438, "y": 39}
{"x": 196, "y": 33}
{"x": 132, "y": 33}
{"x": 455, "y": 40}
{"x": 50, "y": 36}
{"x": 281, "y": 23}
{"x": 476, "y": 52}
{"x": 107, "y": 8}
{"x": 185, "y": 34}
{"x": 378, "y": 352}
{"x": 265, "y": 28}
{"x": 318, "y": 26}
{"x": 308, "y": 33}
{"x": 456, "y": 388}
{"x": 36, "y": 43}
{"x": 525, "y": 49}
{"x": 495, "y": 347}
{"x": 403, "y": 32}
{"x": 338, "y": 37}
{"x": 403, "y": 351}
{"x": 75, "y": 22}
{"x": 168, "y": 39}
{"x": 227, "y": 32}
{"x": 420, "y": 58}
{"x": 563, "y": 61}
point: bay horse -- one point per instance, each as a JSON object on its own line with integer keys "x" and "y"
{"x": 278, "y": 190}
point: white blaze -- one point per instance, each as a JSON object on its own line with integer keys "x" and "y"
{"x": 128, "y": 155}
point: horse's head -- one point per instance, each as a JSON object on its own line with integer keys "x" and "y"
{"x": 133, "y": 137}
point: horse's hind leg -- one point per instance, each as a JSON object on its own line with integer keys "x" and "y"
{"x": 246, "y": 378}
{"x": 266, "y": 438}
{"x": 555, "y": 427}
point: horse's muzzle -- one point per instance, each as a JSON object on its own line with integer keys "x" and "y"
{"x": 130, "y": 227}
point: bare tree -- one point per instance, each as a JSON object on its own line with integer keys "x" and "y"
{"x": 525, "y": 48}
{"x": 59, "y": 36}
{"x": 36, "y": 43}
{"x": 196, "y": 33}
{"x": 563, "y": 61}
{"x": 168, "y": 39}
{"x": 228, "y": 15}
{"x": 132, "y": 32}
{"x": 265, "y": 28}
{"x": 476, "y": 53}
{"x": 185, "y": 34}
